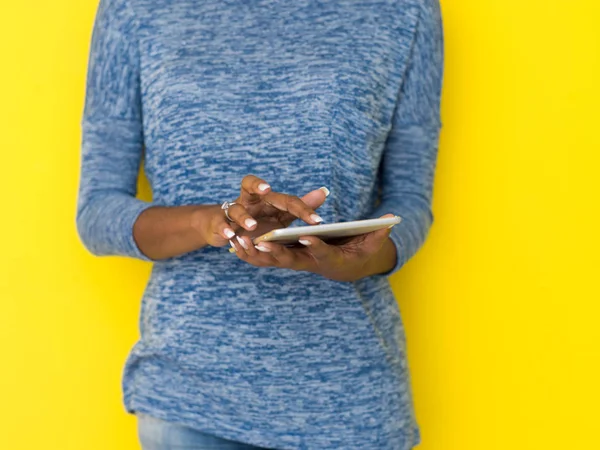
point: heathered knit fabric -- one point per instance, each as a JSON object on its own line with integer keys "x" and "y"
{"x": 304, "y": 93}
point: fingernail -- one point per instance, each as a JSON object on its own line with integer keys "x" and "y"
{"x": 250, "y": 222}
{"x": 242, "y": 243}
{"x": 316, "y": 218}
{"x": 259, "y": 247}
{"x": 229, "y": 233}
{"x": 263, "y": 186}
{"x": 324, "y": 189}
{"x": 304, "y": 242}
{"x": 232, "y": 245}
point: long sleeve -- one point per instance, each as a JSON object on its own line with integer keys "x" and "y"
{"x": 112, "y": 137}
{"x": 408, "y": 163}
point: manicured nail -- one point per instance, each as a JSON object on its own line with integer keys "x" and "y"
{"x": 232, "y": 245}
{"x": 229, "y": 233}
{"x": 316, "y": 218}
{"x": 250, "y": 222}
{"x": 263, "y": 186}
{"x": 242, "y": 243}
{"x": 324, "y": 189}
{"x": 304, "y": 242}
{"x": 261, "y": 248}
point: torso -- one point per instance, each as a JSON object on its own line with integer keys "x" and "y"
{"x": 300, "y": 93}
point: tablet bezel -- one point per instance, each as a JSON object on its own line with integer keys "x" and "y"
{"x": 328, "y": 230}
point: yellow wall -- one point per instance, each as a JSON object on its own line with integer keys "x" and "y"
{"x": 501, "y": 305}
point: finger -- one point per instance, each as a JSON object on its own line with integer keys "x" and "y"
{"x": 221, "y": 227}
{"x": 294, "y": 206}
{"x": 250, "y": 254}
{"x": 262, "y": 247}
{"x": 240, "y": 215}
{"x": 219, "y": 231}
{"x": 252, "y": 188}
{"x": 376, "y": 239}
{"x": 379, "y": 236}
{"x": 316, "y": 198}
{"x": 319, "y": 249}
{"x": 246, "y": 244}
{"x": 286, "y": 258}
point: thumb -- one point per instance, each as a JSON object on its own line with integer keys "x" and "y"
{"x": 316, "y": 198}
{"x": 378, "y": 237}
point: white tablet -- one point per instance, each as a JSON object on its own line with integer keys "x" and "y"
{"x": 328, "y": 230}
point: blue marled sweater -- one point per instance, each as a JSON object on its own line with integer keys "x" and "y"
{"x": 303, "y": 93}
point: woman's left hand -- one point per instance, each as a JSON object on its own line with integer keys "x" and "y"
{"x": 358, "y": 257}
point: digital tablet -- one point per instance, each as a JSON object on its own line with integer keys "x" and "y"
{"x": 326, "y": 231}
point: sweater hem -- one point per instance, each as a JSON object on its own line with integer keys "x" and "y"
{"x": 152, "y": 406}
{"x": 135, "y": 404}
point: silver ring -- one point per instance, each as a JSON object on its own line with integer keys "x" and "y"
{"x": 225, "y": 206}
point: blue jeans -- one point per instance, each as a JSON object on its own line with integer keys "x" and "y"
{"x": 156, "y": 434}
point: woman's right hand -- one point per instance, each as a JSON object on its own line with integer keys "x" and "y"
{"x": 258, "y": 210}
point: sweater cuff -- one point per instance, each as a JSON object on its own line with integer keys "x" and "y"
{"x": 397, "y": 241}
{"x": 130, "y": 247}
{"x": 105, "y": 225}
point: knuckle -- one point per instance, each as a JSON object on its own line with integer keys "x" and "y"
{"x": 236, "y": 211}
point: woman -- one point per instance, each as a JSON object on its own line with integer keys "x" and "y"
{"x": 270, "y": 347}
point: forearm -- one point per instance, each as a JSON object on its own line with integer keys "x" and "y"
{"x": 164, "y": 232}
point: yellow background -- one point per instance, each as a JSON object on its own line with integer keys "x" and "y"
{"x": 501, "y": 305}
